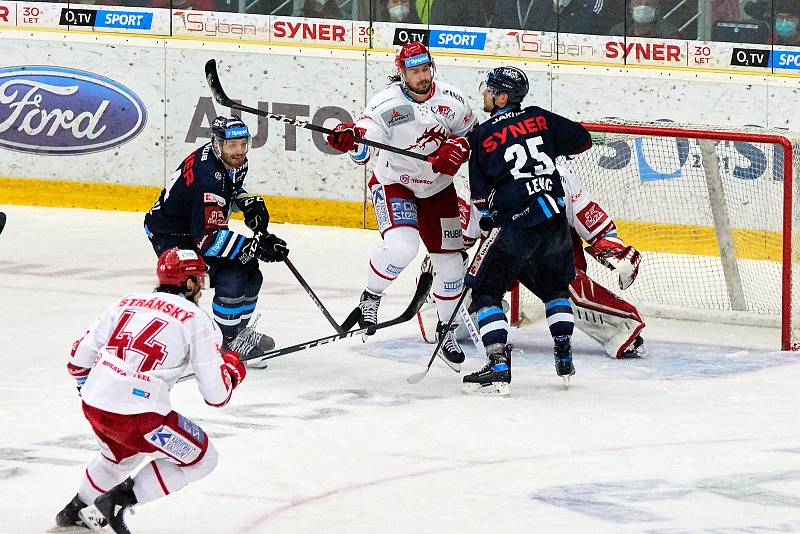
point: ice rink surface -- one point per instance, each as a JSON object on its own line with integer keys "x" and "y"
{"x": 701, "y": 436}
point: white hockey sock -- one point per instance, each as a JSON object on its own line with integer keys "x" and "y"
{"x": 399, "y": 248}
{"x": 102, "y": 474}
{"x": 162, "y": 477}
{"x": 448, "y": 282}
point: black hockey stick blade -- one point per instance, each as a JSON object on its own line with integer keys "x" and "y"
{"x": 2, "y": 221}
{"x": 219, "y": 95}
{"x": 421, "y": 293}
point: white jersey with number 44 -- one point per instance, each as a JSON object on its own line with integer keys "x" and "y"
{"x": 393, "y": 118}
{"x": 140, "y": 347}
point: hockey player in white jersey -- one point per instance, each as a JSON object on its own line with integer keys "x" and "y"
{"x": 605, "y": 317}
{"x": 125, "y": 366}
{"x": 414, "y": 199}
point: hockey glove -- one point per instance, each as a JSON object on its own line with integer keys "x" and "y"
{"x": 450, "y": 156}
{"x": 271, "y": 248}
{"x": 80, "y": 374}
{"x": 256, "y": 216}
{"x": 233, "y": 368}
{"x": 344, "y": 135}
{"x": 612, "y": 253}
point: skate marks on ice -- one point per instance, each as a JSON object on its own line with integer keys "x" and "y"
{"x": 666, "y": 360}
{"x": 240, "y": 420}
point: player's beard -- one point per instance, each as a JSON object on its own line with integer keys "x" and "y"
{"x": 423, "y": 87}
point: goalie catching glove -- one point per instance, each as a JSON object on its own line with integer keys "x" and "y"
{"x": 449, "y": 157}
{"x": 344, "y": 136}
{"x": 256, "y": 216}
{"x": 612, "y": 252}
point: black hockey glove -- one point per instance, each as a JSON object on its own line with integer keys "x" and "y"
{"x": 270, "y": 248}
{"x": 256, "y": 216}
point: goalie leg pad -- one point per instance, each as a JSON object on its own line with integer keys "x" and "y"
{"x": 606, "y": 318}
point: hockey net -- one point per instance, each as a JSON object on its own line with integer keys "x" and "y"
{"x": 714, "y": 213}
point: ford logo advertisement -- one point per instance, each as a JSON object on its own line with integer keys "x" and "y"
{"x": 57, "y": 110}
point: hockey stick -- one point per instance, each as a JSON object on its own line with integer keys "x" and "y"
{"x": 348, "y": 323}
{"x": 220, "y": 96}
{"x": 479, "y": 256}
{"x": 420, "y": 294}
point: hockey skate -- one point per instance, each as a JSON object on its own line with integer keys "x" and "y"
{"x": 113, "y": 504}
{"x": 369, "y": 310}
{"x": 495, "y": 378}
{"x": 636, "y": 350}
{"x": 563, "y": 355}
{"x": 250, "y": 344}
{"x": 77, "y": 516}
{"x": 450, "y": 347}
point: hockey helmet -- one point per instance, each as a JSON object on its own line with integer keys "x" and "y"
{"x": 412, "y": 54}
{"x": 226, "y": 127}
{"x": 175, "y": 266}
{"x": 509, "y": 80}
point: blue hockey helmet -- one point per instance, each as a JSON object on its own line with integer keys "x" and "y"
{"x": 226, "y": 127}
{"x": 509, "y": 80}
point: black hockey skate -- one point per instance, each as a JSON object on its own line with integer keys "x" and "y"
{"x": 113, "y": 504}
{"x": 369, "y": 310}
{"x": 563, "y": 355}
{"x": 495, "y": 377}
{"x": 450, "y": 347}
{"x": 71, "y": 516}
{"x": 636, "y": 350}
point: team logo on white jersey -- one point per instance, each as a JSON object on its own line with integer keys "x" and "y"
{"x": 435, "y": 134}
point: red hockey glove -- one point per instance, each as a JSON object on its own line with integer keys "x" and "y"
{"x": 79, "y": 374}
{"x": 233, "y": 367}
{"x": 344, "y": 135}
{"x": 450, "y": 156}
{"x": 612, "y": 252}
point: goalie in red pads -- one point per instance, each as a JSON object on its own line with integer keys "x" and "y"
{"x": 599, "y": 313}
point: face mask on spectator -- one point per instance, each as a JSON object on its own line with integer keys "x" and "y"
{"x": 562, "y": 3}
{"x": 399, "y": 12}
{"x": 785, "y": 28}
{"x": 643, "y": 14}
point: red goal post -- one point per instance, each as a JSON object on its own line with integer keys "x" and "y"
{"x": 714, "y": 212}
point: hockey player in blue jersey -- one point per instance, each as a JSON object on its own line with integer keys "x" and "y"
{"x": 193, "y": 211}
{"x": 516, "y": 186}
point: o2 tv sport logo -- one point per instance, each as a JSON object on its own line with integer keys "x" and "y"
{"x": 63, "y": 111}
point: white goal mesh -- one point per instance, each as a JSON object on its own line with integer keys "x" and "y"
{"x": 714, "y": 213}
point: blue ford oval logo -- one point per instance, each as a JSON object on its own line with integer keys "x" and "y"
{"x": 56, "y": 110}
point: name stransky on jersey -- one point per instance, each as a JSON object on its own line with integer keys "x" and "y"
{"x": 517, "y": 129}
{"x": 157, "y": 304}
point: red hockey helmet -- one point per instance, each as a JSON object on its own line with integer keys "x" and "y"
{"x": 411, "y": 55}
{"x": 175, "y": 266}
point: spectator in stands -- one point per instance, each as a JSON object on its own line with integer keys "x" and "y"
{"x": 786, "y": 23}
{"x": 320, "y": 9}
{"x": 396, "y": 11}
{"x": 565, "y": 16}
{"x": 645, "y": 21}
{"x": 476, "y": 13}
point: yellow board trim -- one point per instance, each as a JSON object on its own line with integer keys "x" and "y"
{"x": 646, "y": 236}
{"x": 119, "y": 197}
{"x": 700, "y": 240}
